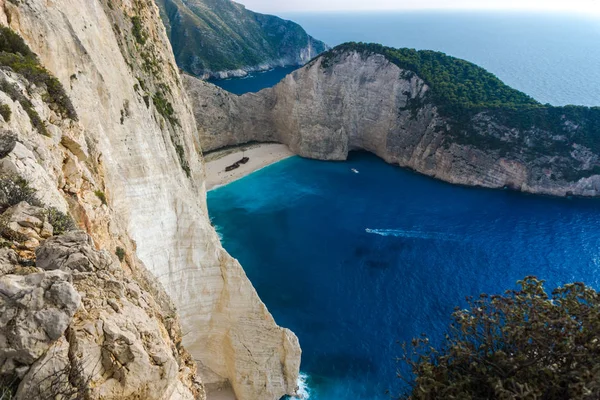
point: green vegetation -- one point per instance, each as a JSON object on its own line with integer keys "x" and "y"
{"x": 219, "y": 35}
{"x": 461, "y": 91}
{"x": 13, "y": 190}
{"x": 5, "y": 112}
{"x": 8, "y": 389}
{"x": 16, "y": 55}
{"x": 15, "y": 94}
{"x": 165, "y": 108}
{"x": 525, "y": 344}
{"x": 60, "y": 221}
{"x": 182, "y": 160}
{"x": 120, "y": 253}
{"x": 138, "y": 31}
{"x": 454, "y": 82}
{"x": 102, "y": 196}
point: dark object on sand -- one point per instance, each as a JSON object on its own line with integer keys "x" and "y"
{"x": 237, "y": 164}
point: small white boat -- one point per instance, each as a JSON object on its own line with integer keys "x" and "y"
{"x": 355, "y": 171}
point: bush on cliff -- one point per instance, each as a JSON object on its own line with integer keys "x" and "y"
{"x": 460, "y": 90}
{"x": 13, "y": 190}
{"x": 18, "y": 57}
{"x": 525, "y": 344}
{"x": 453, "y": 82}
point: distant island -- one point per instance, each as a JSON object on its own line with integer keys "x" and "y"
{"x": 221, "y": 38}
{"x": 439, "y": 115}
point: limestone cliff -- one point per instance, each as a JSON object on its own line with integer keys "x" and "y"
{"x": 221, "y": 38}
{"x": 353, "y": 99}
{"x": 118, "y": 150}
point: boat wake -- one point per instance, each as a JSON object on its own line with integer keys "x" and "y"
{"x": 413, "y": 234}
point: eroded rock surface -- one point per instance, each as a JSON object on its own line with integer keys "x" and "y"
{"x": 118, "y": 345}
{"x": 365, "y": 102}
{"x": 129, "y": 170}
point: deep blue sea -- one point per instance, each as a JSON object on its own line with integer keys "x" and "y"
{"x": 253, "y": 82}
{"x": 354, "y": 262}
{"x": 555, "y": 58}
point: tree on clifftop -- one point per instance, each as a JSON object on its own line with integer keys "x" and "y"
{"x": 525, "y": 344}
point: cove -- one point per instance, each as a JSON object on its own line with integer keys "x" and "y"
{"x": 254, "y": 81}
{"x": 355, "y": 262}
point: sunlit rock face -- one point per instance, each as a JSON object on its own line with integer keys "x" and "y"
{"x": 365, "y": 102}
{"x": 129, "y": 169}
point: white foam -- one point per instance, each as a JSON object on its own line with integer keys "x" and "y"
{"x": 218, "y": 230}
{"x": 303, "y": 389}
{"x": 412, "y": 234}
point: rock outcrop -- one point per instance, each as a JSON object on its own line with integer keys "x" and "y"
{"x": 118, "y": 345}
{"x": 351, "y": 100}
{"x": 125, "y": 161}
{"x": 221, "y": 38}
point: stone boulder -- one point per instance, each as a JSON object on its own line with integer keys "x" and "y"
{"x": 119, "y": 345}
{"x": 25, "y": 223}
{"x": 35, "y": 310}
{"x": 8, "y": 261}
{"x": 73, "y": 251}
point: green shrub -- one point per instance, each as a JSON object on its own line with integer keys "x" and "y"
{"x": 525, "y": 344}
{"x": 10, "y": 42}
{"x": 16, "y": 55}
{"x": 120, "y": 252}
{"x": 7, "y": 390}
{"x": 13, "y": 92}
{"x": 460, "y": 90}
{"x": 165, "y": 108}
{"x": 60, "y": 221}
{"x": 452, "y": 80}
{"x": 138, "y": 30}
{"x": 102, "y": 196}
{"x": 5, "y": 111}
{"x": 13, "y": 190}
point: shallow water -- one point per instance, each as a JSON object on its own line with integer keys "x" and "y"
{"x": 353, "y": 262}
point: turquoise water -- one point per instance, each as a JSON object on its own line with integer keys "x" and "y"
{"x": 353, "y": 262}
{"x": 553, "y": 58}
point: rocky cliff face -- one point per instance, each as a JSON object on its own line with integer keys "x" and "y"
{"x": 126, "y": 163}
{"x": 221, "y": 39}
{"x": 357, "y": 101}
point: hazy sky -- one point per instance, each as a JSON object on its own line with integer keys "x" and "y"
{"x": 272, "y": 6}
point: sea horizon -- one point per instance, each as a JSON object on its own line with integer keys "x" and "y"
{"x": 529, "y": 51}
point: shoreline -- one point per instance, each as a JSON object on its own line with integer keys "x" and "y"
{"x": 260, "y": 155}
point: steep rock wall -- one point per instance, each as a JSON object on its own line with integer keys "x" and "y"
{"x": 221, "y": 38}
{"x": 368, "y": 103}
{"x": 131, "y": 172}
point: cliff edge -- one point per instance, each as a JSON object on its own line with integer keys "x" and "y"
{"x": 435, "y": 114}
{"x": 96, "y": 124}
{"x": 221, "y": 38}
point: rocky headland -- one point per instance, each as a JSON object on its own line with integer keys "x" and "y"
{"x": 222, "y": 39}
{"x": 435, "y": 114}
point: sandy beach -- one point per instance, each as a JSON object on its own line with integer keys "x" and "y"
{"x": 260, "y": 155}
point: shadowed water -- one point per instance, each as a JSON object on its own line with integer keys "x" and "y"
{"x": 353, "y": 262}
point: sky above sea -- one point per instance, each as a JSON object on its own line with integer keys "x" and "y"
{"x": 552, "y": 57}
{"x": 573, "y": 6}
